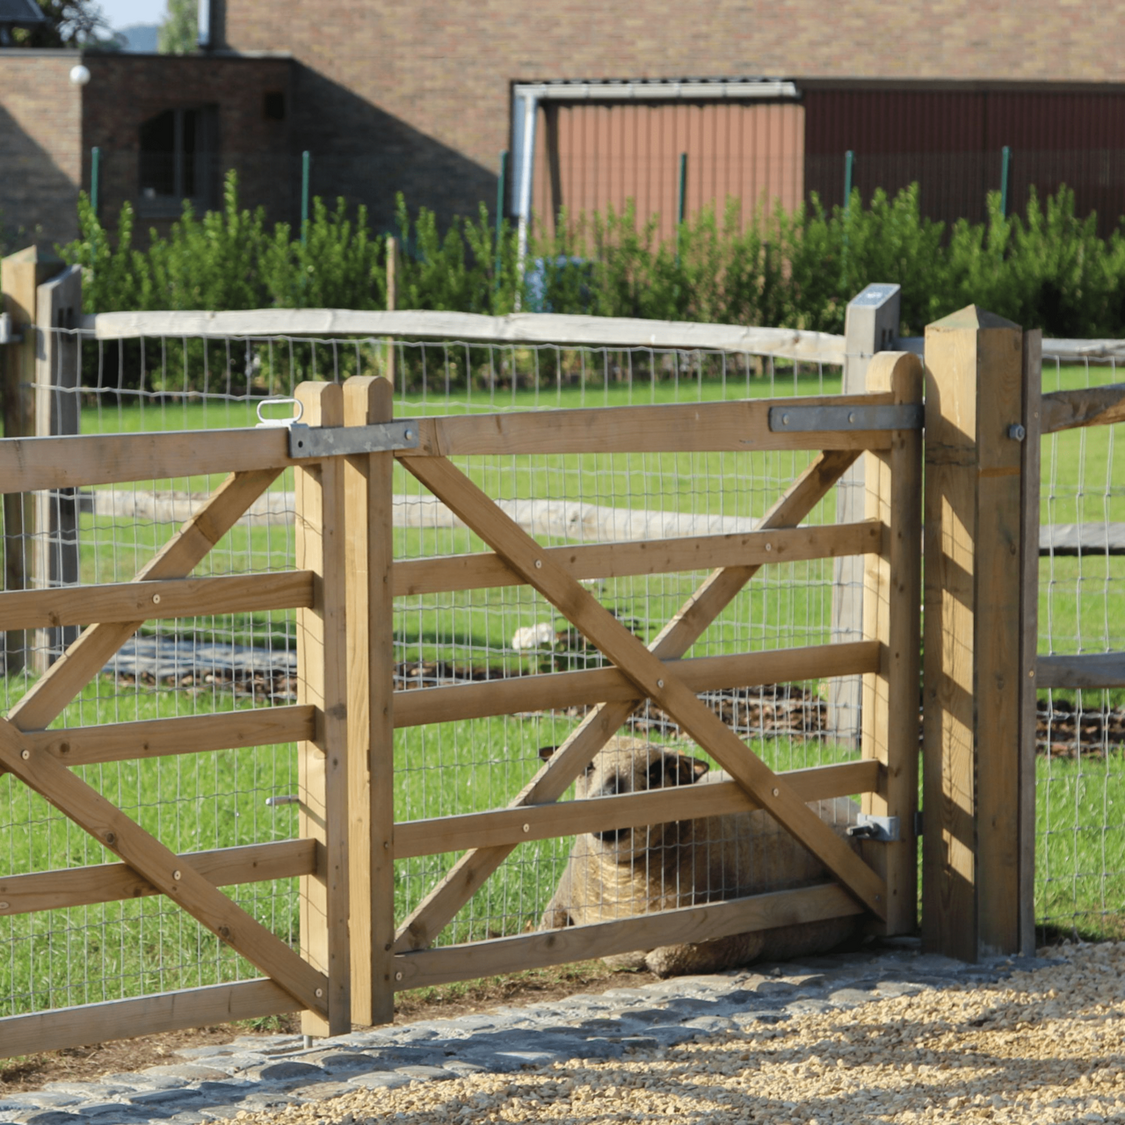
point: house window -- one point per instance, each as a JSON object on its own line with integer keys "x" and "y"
{"x": 177, "y": 161}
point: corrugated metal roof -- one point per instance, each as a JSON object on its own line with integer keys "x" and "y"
{"x": 20, "y": 13}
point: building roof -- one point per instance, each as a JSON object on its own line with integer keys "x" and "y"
{"x": 20, "y": 13}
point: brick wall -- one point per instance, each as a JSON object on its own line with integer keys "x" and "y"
{"x": 439, "y": 71}
{"x": 40, "y": 147}
{"x": 126, "y": 90}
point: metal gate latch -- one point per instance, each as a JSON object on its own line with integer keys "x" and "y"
{"x": 881, "y": 828}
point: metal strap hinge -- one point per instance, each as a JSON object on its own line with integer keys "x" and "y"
{"x": 810, "y": 419}
{"x": 341, "y": 441}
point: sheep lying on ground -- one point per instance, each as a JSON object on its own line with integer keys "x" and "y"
{"x": 628, "y": 871}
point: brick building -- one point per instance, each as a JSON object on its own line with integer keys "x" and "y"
{"x": 422, "y": 96}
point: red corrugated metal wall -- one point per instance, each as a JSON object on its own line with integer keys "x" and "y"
{"x": 590, "y": 156}
{"x": 950, "y": 142}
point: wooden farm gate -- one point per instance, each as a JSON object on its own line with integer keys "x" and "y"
{"x": 884, "y": 425}
{"x": 315, "y": 980}
{"x": 353, "y": 957}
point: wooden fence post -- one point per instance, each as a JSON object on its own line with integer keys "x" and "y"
{"x": 892, "y": 596}
{"x": 20, "y": 276}
{"x": 322, "y": 681}
{"x": 55, "y": 551}
{"x": 871, "y": 326}
{"x": 368, "y": 484}
{"x": 975, "y": 856}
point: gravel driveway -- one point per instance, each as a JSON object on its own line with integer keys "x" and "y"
{"x": 1043, "y": 1046}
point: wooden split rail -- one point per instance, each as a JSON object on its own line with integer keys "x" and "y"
{"x": 354, "y": 954}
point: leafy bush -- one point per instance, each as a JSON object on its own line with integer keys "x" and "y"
{"x": 1047, "y": 268}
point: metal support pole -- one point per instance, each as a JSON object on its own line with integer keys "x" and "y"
{"x": 849, "y": 163}
{"x": 501, "y": 201}
{"x": 681, "y": 200}
{"x": 305, "y": 161}
{"x": 95, "y": 174}
{"x": 1005, "y": 166}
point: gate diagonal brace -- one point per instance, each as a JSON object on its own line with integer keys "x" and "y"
{"x": 524, "y": 555}
{"x": 161, "y": 867}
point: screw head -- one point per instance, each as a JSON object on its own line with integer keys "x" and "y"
{"x": 155, "y": 599}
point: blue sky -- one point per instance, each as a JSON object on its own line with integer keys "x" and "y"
{"x": 123, "y": 13}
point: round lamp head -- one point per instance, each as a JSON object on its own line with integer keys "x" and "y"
{"x": 79, "y": 75}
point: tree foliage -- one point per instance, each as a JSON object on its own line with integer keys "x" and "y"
{"x": 179, "y": 33}
{"x": 69, "y": 24}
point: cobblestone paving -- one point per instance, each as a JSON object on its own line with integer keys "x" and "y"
{"x": 269, "y": 1072}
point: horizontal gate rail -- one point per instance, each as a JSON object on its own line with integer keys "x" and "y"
{"x": 420, "y": 706}
{"x": 1089, "y": 406}
{"x": 730, "y": 426}
{"x": 115, "y": 882}
{"x": 154, "y": 601}
{"x": 569, "y": 818}
{"x": 576, "y": 943}
{"x": 188, "y": 734}
{"x": 662, "y": 556}
{"x": 149, "y": 1015}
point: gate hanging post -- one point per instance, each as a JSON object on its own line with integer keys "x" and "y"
{"x": 978, "y": 841}
{"x": 322, "y": 681}
{"x": 892, "y": 594}
{"x": 368, "y": 482}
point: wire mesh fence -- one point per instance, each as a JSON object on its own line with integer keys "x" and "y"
{"x": 199, "y": 665}
{"x": 1080, "y": 848}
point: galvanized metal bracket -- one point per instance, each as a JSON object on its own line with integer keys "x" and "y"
{"x": 813, "y": 419}
{"x": 881, "y": 828}
{"x": 341, "y": 441}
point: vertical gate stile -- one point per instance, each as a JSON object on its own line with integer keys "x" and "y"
{"x": 368, "y": 480}
{"x": 322, "y": 681}
{"x": 891, "y": 599}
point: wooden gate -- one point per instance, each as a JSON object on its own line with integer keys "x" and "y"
{"x": 315, "y": 980}
{"x": 886, "y": 424}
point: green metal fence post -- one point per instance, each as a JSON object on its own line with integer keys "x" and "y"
{"x": 1005, "y": 165}
{"x": 305, "y": 160}
{"x": 95, "y": 173}
{"x": 501, "y": 199}
{"x": 849, "y": 162}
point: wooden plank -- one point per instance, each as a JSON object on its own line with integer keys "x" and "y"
{"x": 151, "y": 601}
{"x": 571, "y": 818}
{"x": 1030, "y": 475}
{"x": 21, "y": 274}
{"x": 49, "y": 696}
{"x": 699, "y": 427}
{"x": 27, "y": 464}
{"x": 470, "y": 872}
{"x": 58, "y": 305}
{"x": 368, "y": 485}
{"x": 422, "y": 706}
{"x": 891, "y": 597}
{"x": 972, "y": 618}
{"x": 1092, "y": 670}
{"x": 528, "y": 328}
{"x": 322, "y": 659}
{"x": 577, "y": 943}
{"x": 191, "y": 734}
{"x": 145, "y": 1015}
{"x": 161, "y": 867}
{"x": 115, "y": 882}
{"x": 650, "y": 675}
{"x": 617, "y": 560}
{"x": 1089, "y": 406}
